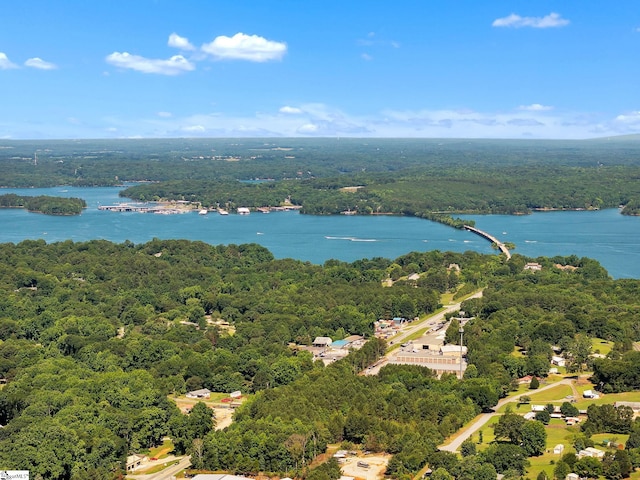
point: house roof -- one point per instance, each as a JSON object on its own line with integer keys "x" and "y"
{"x": 322, "y": 341}
{"x": 202, "y": 391}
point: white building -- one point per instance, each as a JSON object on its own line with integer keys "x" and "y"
{"x": 590, "y": 394}
{"x": 591, "y": 452}
{"x": 322, "y": 342}
{"x": 202, "y": 393}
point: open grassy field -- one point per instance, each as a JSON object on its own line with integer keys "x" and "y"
{"x": 601, "y": 346}
{"x": 559, "y": 393}
{"x": 583, "y": 403}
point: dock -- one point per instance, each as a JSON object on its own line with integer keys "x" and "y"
{"x": 128, "y": 207}
{"x": 501, "y": 246}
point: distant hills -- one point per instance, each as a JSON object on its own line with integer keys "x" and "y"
{"x": 634, "y": 137}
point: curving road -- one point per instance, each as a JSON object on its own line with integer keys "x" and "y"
{"x": 485, "y": 417}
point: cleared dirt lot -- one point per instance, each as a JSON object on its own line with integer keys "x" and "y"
{"x": 223, "y": 413}
{"x": 377, "y": 467}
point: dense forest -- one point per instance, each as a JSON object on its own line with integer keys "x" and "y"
{"x": 94, "y": 336}
{"x": 426, "y": 178}
{"x": 44, "y": 204}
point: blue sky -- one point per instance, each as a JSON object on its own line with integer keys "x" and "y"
{"x": 360, "y": 68}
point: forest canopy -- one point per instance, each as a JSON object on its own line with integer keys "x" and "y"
{"x": 428, "y": 178}
{"x": 95, "y": 337}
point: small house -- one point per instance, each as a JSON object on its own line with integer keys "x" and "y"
{"x": 134, "y": 461}
{"x": 558, "y": 360}
{"x": 590, "y": 394}
{"x": 202, "y": 393}
{"x": 534, "y": 267}
{"x": 572, "y": 421}
{"x": 572, "y": 476}
{"x": 558, "y": 449}
{"x": 591, "y": 452}
{"x": 322, "y": 342}
{"x": 526, "y": 380}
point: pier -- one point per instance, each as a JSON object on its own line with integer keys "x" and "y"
{"x": 491, "y": 238}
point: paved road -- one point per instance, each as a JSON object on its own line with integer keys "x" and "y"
{"x": 407, "y": 332}
{"x": 485, "y": 417}
{"x": 168, "y": 473}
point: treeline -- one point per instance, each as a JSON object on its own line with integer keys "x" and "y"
{"x": 426, "y": 192}
{"x": 403, "y": 177}
{"x": 44, "y": 204}
{"x": 106, "y": 162}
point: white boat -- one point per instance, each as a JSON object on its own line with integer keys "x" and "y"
{"x": 204, "y": 211}
{"x": 222, "y": 212}
{"x": 243, "y": 211}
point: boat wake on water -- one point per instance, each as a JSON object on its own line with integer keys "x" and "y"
{"x": 351, "y": 239}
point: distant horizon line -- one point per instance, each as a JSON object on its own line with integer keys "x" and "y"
{"x": 632, "y": 136}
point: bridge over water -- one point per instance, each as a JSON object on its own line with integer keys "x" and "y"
{"x": 501, "y": 246}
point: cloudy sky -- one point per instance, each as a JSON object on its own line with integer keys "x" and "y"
{"x": 360, "y": 68}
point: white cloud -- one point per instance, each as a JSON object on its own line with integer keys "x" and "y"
{"x": 308, "y": 128}
{"x": 173, "y": 66}
{"x": 194, "y": 128}
{"x": 5, "y": 63}
{"x": 40, "y": 64}
{"x": 535, "y": 107}
{"x": 182, "y": 43}
{"x": 516, "y": 21}
{"x": 366, "y": 56}
{"x": 290, "y": 110}
{"x": 245, "y": 47}
{"x": 164, "y": 114}
{"x": 629, "y": 118}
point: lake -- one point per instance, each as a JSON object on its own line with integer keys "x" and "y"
{"x": 611, "y": 238}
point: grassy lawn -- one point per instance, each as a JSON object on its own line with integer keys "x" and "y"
{"x": 599, "y": 345}
{"x": 517, "y": 352}
{"x": 557, "y": 393}
{"x": 487, "y": 433}
{"x": 157, "y": 468}
{"x": 598, "y": 438}
{"x": 446, "y": 299}
{"x": 215, "y": 397}
{"x": 161, "y": 451}
{"x": 583, "y": 404}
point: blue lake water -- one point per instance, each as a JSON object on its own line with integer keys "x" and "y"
{"x": 612, "y": 239}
